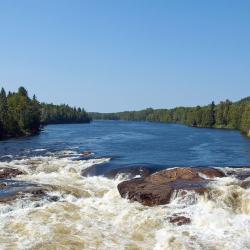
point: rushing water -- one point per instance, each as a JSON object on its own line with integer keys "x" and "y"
{"x": 89, "y": 212}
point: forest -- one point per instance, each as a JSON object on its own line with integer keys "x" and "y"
{"x": 21, "y": 115}
{"x": 226, "y": 114}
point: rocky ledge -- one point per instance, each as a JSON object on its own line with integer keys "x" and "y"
{"x": 11, "y": 189}
{"x": 158, "y": 188}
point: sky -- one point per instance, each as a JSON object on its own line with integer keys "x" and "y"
{"x": 110, "y": 56}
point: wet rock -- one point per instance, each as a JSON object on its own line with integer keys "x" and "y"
{"x": 94, "y": 170}
{"x": 86, "y": 153}
{"x": 129, "y": 172}
{"x": 245, "y": 184}
{"x": 179, "y": 220}
{"x": 20, "y": 189}
{"x": 109, "y": 172}
{"x": 53, "y": 198}
{"x": 38, "y": 192}
{"x": 2, "y": 185}
{"x": 210, "y": 172}
{"x": 158, "y": 188}
{"x": 9, "y": 172}
{"x": 242, "y": 175}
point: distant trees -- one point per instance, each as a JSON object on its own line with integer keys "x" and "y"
{"x": 224, "y": 115}
{"x": 20, "y": 115}
{"x": 55, "y": 114}
{"x": 245, "y": 120}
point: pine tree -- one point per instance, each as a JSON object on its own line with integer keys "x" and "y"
{"x": 3, "y": 112}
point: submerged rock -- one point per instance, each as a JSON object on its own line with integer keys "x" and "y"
{"x": 9, "y": 172}
{"x": 245, "y": 184}
{"x": 2, "y": 185}
{"x": 239, "y": 173}
{"x": 86, "y": 153}
{"x": 179, "y": 220}
{"x": 14, "y": 189}
{"x": 157, "y": 189}
{"x": 128, "y": 171}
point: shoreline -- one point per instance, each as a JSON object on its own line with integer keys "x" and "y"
{"x": 247, "y": 135}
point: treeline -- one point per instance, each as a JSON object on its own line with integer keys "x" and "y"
{"x": 21, "y": 115}
{"x": 224, "y": 115}
{"x": 56, "y": 114}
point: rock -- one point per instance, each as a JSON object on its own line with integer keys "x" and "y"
{"x": 245, "y": 184}
{"x": 2, "y": 185}
{"x": 210, "y": 172}
{"x": 109, "y": 172}
{"x": 179, "y": 220}
{"x": 95, "y": 170}
{"x": 244, "y": 174}
{"x": 129, "y": 172}
{"x": 239, "y": 173}
{"x": 53, "y": 198}
{"x": 157, "y": 189}
{"x": 14, "y": 189}
{"x": 9, "y": 172}
{"x": 86, "y": 153}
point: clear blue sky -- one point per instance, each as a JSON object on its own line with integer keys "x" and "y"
{"x": 126, "y": 55}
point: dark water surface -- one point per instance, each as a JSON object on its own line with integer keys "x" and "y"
{"x": 138, "y": 142}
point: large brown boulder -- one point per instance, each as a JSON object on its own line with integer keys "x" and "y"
{"x": 157, "y": 189}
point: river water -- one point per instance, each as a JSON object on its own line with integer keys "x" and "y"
{"x": 89, "y": 212}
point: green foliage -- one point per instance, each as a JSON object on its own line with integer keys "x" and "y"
{"x": 224, "y": 115}
{"x": 245, "y": 119}
{"x": 3, "y": 112}
{"x": 21, "y": 115}
{"x": 55, "y": 114}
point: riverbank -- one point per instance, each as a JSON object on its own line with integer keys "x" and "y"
{"x": 226, "y": 115}
{"x": 22, "y": 116}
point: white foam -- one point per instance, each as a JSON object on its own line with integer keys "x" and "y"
{"x": 90, "y": 214}
{"x": 39, "y": 150}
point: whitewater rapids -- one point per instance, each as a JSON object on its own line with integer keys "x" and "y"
{"x": 90, "y": 214}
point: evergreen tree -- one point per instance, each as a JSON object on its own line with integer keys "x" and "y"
{"x": 3, "y": 112}
{"x": 22, "y": 91}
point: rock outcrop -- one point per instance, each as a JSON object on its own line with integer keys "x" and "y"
{"x": 157, "y": 188}
{"x": 11, "y": 189}
{"x": 9, "y": 172}
{"x": 179, "y": 220}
